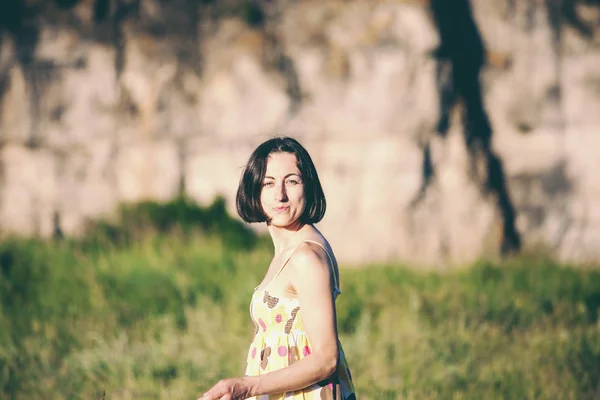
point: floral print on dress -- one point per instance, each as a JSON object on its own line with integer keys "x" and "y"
{"x": 280, "y": 340}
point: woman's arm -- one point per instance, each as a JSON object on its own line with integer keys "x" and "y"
{"x": 311, "y": 277}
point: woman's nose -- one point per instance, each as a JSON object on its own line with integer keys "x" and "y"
{"x": 281, "y": 194}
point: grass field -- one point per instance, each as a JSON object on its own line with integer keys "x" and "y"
{"x": 157, "y": 308}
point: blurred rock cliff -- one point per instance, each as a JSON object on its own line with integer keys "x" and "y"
{"x": 442, "y": 130}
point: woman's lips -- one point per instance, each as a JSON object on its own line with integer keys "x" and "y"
{"x": 280, "y": 209}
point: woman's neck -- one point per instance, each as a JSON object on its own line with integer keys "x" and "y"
{"x": 286, "y": 237}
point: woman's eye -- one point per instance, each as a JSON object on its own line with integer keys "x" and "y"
{"x": 292, "y": 182}
{"x": 270, "y": 183}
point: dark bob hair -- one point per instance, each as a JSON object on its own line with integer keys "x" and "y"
{"x": 248, "y": 194}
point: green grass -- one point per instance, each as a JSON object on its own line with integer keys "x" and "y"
{"x": 157, "y": 308}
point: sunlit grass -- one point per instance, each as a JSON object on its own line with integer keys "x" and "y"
{"x": 162, "y": 313}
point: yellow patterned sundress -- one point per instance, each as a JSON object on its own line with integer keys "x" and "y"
{"x": 280, "y": 340}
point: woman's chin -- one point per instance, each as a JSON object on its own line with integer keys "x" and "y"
{"x": 283, "y": 222}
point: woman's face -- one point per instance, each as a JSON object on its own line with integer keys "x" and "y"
{"x": 282, "y": 195}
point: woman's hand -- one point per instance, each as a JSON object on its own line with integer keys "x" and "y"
{"x": 230, "y": 389}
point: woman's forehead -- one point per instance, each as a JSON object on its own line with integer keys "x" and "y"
{"x": 282, "y": 163}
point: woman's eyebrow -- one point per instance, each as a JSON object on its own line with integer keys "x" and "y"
{"x": 287, "y": 176}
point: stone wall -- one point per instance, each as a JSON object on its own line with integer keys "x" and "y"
{"x": 441, "y": 133}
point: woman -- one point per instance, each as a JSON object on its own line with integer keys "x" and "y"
{"x": 295, "y": 353}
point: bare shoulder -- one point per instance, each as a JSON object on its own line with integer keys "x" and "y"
{"x": 310, "y": 259}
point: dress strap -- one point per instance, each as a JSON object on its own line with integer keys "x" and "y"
{"x": 283, "y": 265}
{"x": 335, "y": 283}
